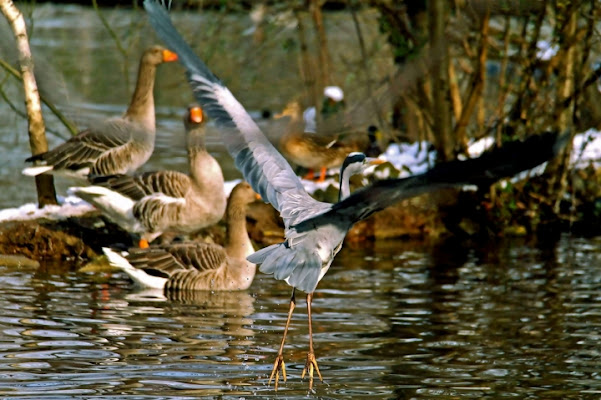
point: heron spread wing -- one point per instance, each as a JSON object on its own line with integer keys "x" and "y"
{"x": 502, "y": 162}
{"x": 262, "y": 165}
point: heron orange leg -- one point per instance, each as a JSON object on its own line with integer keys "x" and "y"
{"x": 311, "y": 363}
{"x": 279, "y": 364}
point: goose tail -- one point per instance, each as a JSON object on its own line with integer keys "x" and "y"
{"x": 139, "y": 276}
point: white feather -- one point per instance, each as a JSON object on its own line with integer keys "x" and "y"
{"x": 34, "y": 171}
{"x": 139, "y": 277}
{"x": 68, "y": 173}
{"x": 117, "y": 207}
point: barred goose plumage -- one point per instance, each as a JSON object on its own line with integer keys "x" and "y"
{"x": 152, "y": 203}
{"x": 193, "y": 265}
{"x": 117, "y": 145}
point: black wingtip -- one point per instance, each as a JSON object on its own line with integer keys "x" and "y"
{"x": 37, "y": 157}
{"x": 95, "y": 179}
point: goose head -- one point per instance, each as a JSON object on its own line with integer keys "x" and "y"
{"x": 156, "y": 55}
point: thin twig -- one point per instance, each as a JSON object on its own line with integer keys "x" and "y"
{"x": 477, "y": 85}
{"x": 61, "y": 117}
{"x": 117, "y": 41}
{"x": 364, "y": 64}
{"x": 21, "y": 114}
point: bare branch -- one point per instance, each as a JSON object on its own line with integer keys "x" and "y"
{"x": 64, "y": 120}
{"x": 37, "y": 137}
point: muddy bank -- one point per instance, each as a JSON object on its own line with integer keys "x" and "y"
{"x": 78, "y": 240}
{"x": 516, "y": 209}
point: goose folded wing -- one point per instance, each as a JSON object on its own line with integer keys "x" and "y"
{"x": 166, "y": 261}
{"x": 261, "y": 164}
{"x": 83, "y": 149}
{"x": 170, "y": 183}
{"x": 126, "y": 185}
{"x": 155, "y": 261}
{"x": 200, "y": 256}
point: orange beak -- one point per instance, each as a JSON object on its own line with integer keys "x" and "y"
{"x": 196, "y": 114}
{"x": 258, "y": 196}
{"x": 169, "y": 56}
{"x": 376, "y": 161}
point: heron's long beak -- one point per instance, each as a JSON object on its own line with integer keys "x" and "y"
{"x": 375, "y": 161}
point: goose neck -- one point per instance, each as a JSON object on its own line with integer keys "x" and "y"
{"x": 141, "y": 107}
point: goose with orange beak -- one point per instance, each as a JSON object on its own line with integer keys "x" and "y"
{"x": 189, "y": 266}
{"x": 117, "y": 145}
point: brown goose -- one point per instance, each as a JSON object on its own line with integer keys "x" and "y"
{"x": 117, "y": 145}
{"x": 193, "y": 265}
{"x": 311, "y": 150}
{"x": 155, "y": 202}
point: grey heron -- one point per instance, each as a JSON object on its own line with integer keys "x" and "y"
{"x": 314, "y": 230}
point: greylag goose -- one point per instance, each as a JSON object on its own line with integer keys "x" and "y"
{"x": 155, "y": 202}
{"x": 315, "y": 230}
{"x": 193, "y": 265}
{"x": 309, "y": 149}
{"x": 117, "y": 145}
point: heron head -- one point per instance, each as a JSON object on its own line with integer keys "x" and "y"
{"x": 356, "y": 163}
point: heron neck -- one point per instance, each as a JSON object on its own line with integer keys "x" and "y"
{"x": 345, "y": 185}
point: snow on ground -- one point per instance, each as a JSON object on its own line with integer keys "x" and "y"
{"x": 407, "y": 158}
{"x": 69, "y": 206}
{"x": 586, "y": 149}
{"x": 410, "y": 158}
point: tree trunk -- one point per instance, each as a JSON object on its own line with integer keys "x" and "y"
{"x": 564, "y": 112}
{"x": 440, "y": 79}
{"x": 37, "y": 135}
{"x": 322, "y": 44}
{"x": 365, "y": 66}
{"x": 305, "y": 65}
{"x": 476, "y": 87}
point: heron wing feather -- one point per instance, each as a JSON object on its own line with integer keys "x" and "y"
{"x": 261, "y": 164}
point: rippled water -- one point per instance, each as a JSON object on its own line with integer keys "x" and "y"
{"x": 396, "y": 320}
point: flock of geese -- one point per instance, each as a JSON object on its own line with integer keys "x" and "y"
{"x": 152, "y": 203}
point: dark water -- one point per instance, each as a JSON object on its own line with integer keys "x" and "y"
{"x": 513, "y": 319}
{"x": 394, "y": 320}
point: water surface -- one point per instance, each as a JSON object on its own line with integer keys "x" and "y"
{"x": 394, "y": 320}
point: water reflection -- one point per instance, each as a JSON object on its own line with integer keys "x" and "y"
{"x": 395, "y": 320}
